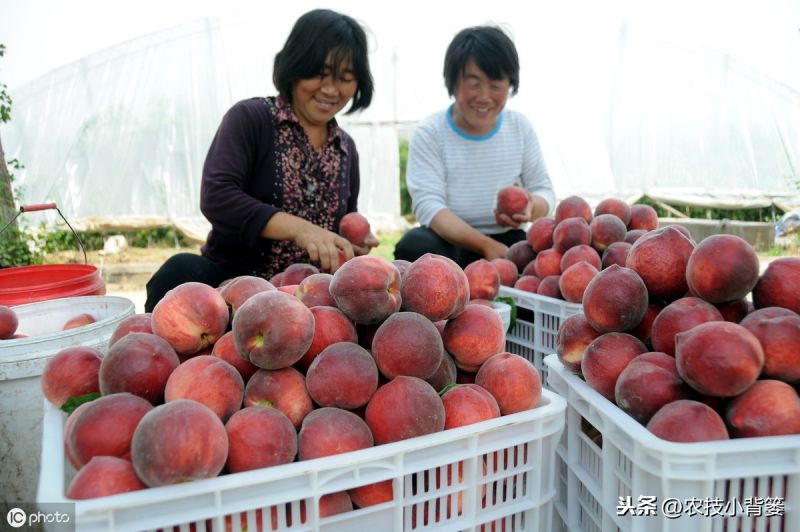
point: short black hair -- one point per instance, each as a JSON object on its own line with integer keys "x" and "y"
{"x": 491, "y": 49}
{"x": 316, "y": 35}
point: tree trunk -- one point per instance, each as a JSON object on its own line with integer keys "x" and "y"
{"x": 7, "y": 207}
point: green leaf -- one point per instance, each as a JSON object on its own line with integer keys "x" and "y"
{"x": 446, "y": 388}
{"x": 510, "y": 302}
{"x": 74, "y": 402}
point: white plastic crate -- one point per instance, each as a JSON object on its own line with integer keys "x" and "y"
{"x": 538, "y": 319}
{"x": 508, "y": 483}
{"x": 627, "y": 460}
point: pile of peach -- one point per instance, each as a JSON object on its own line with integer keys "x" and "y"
{"x": 687, "y": 338}
{"x": 258, "y": 373}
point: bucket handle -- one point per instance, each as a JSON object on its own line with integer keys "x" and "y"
{"x": 44, "y": 207}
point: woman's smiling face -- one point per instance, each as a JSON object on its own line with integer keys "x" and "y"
{"x": 317, "y": 100}
{"x": 479, "y": 100}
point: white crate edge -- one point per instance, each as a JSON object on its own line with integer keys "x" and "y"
{"x": 555, "y": 307}
{"x": 549, "y": 415}
{"x": 772, "y": 455}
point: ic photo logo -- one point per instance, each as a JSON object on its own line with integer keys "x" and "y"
{"x": 16, "y": 517}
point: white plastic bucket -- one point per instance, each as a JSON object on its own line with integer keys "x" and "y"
{"x": 21, "y": 364}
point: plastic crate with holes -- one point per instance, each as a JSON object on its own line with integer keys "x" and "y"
{"x": 494, "y": 475}
{"x": 615, "y": 475}
{"x": 537, "y": 321}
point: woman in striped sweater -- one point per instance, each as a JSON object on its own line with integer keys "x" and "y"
{"x": 461, "y": 157}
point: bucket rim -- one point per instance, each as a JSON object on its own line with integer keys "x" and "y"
{"x": 86, "y": 272}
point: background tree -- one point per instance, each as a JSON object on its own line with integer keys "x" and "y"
{"x": 7, "y": 208}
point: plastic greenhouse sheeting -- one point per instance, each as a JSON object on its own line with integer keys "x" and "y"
{"x": 119, "y": 137}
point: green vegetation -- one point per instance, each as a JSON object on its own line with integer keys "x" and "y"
{"x": 405, "y": 198}
{"x": 757, "y": 214}
{"x": 56, "y": 241}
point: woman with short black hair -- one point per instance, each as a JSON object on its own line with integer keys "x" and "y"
{"x": 459, "y": 159}
{"x": 280, "y": 173}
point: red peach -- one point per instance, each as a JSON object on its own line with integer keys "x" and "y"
{"x": 330, "y": 326}
{"x": 606, "y": 229}
{"x": 520, "y": 253}
{"x": 512, "y": 380}
{"x": 8, "y": 322}
{"x": 615, "y": 299}
{"x": 225, "y": 348}
{"x": 571, "y": 232}
{"x": 530, "y": 268}
{"x": 314, "y": 290}
{"x": 401, "y": 265}
{"x": 288, "y": 289}
{"x": 540, "y": 234}
{"x": 507, "y": 271}
{"x": 135, "y": 323}
{"x": 643, "y": 217}
{"x": 685, "y": 420}
{"x": 660, "y": 258}
{"x": 547, "y": 262}
{"x": 647, "y": 383}
{"x": 69, "y": 426}
{"x": 614, "y": 206}
{"x": 633, "y": 235}
{"x": 465, "y": 404}
{"x": 78, "y": 321}
{"x": 644, "y": 330}
{"x": 367, "y": 289}
{"x": 191, "y": 317}
{"x": 767, "y": 408}
{"x": 210, "y": 381}
{"x": 573, "y": 206}
{"x": 277, "y": 280}
{"x": 435, "y": 287}
{"x": 177, "y": 442}
{"x": 573, "y": 337}
{"x": 273, "y": 330}
{"x": 483, "y": 279}
{"x": 404, "y": 408}
{"x": 735, "y": 311}
{"x": 328, "y": 431}
{"x": 72, "y": 372}
{"x": 295, "y": 273}
{"x": 780, "y": 338}
{"x": 105, "y": 427}
{"x": 139, "y": 363}
{"x": 408, "y": 343}
{"x": 284, "y": 389}
{"x": 606, "y": 357}
{"x": 354, "y": 227}
{"x": 344, "y": 375}
{"x": 616, "y": 253}
{"x": 239, "y": 289}
{"x": 575, "y": 279}
{"x": 103, "y": 476}
{"x": 528, "y": 283}
{"x": 259, "y": 436}
{"x": 445, "y": 374}
{"x": 722, "y": 268}
{"x": 473, "y": 336}
{"x": 719, "y": 358}
{"x": 679, "y": 316}
{"x": 549, "y": 287}
{"x": 512, "y": 200}
{"x": 766, "y": 313}
{"x": 778, "y": 285}
{"x": 580, "y": 253}
{"x": 372, "y": 494}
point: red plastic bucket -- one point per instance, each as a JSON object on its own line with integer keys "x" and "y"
{"x": 30, "y": 284}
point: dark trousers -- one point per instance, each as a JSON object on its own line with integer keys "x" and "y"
{"x": 420, "y": 240}
{"x": 179, "y": 269}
